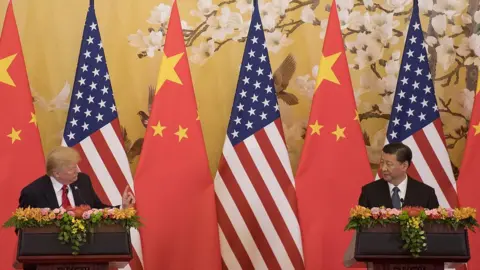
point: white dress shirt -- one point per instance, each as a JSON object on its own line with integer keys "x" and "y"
{"x": 57, "y": 186}
{"x": 402, "y": 187}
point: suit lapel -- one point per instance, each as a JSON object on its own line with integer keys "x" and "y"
{"x": 49, "y": 193}
{"x": 385, "y": 193}
{"x": 410, "y": 193}
{"x": 76, "y": 196}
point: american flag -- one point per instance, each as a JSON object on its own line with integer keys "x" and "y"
{"x": 93, "y": 129}
{"x": 415, "y": 118}
{"x": 254, "y": 185}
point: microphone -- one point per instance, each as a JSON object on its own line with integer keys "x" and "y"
{"x": 401, "y": 201}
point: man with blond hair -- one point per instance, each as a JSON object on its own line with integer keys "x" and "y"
{"x": 64, "y": 186}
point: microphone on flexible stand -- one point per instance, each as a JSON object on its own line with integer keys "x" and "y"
{"x": 401, "y": 201}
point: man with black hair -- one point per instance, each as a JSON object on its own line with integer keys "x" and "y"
{"x": 396, "y": 189}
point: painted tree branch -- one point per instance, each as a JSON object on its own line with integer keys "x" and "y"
{"x": 220, "y": 44}
{"x": 447, "y": 109}
{"x": 191, "y": 35}
{"x": 453, "y": 139}
{"x": 406, "y": 12}
{"x": 449, "y": 76}
{"x": 381, "y": 8}
{"x": 375, "y": 113}
{"x": 300, "y": 4}
{"x": 373, "y": 67}
{"x": 295, "y": 26}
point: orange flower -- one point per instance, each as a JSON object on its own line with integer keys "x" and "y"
{"x": 360, "y": 211}
{"x": 464, "y": 213}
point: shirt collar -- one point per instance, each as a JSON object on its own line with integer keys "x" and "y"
{"x": 402, "y": 186}
{"x": 57, "y": 186}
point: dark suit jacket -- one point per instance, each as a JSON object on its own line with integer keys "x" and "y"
{"x": 40, "y": 193}
{"x": 377, "y": 194}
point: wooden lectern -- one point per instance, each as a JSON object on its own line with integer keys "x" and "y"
{"x": 108, "y": 246}
{"x": 381, "y": 248}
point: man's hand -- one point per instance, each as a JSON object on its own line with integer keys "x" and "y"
{"x": 128, "y": 200}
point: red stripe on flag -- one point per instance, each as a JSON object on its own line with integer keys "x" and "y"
{"x": 224, "y": 266}
{"x": 232, "y": 238}
{"x": 135, "y": 263}
{"x": 85, "y": 167}
{"x": 436, "y": 168}
{"x": 279, "y": 125}
{"x": 269, "y": 203}
{"x": 116, "y": 127}
{"x": 277, "y": 168}
{"x": 109, "y": 161}
{"x": 412, "y": 172}
{"x": 98, "y": 140}
{"x": 438, "y": 126}
{"x": 247, "y": 215}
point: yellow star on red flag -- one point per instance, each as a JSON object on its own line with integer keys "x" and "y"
{"x": 158, "y": 129}
{"x": 4, "y": 65}
{"x": 325, "y": 71}
{"x": 339, "y": 132}
{"x": 316, "y": 128}
{"x": 167, "y": 70}
{"x": 181, "y": 133}
{"x": 33, "y": 119}
{"x": 477, "y": 129}
{"x": 15, "y": 135}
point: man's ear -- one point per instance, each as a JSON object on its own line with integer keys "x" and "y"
{"x": 405, "y": 165}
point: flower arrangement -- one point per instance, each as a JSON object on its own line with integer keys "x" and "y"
{"x": 74, "y": 223}
{"x": 412, "y": 221}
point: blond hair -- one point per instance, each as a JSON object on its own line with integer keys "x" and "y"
{"x": 61, "y": 156}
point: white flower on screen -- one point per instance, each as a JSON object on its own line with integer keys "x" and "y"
{"x": 222, "y": 25}
{"x": 245, "y": 6}
{"x": 281, "y": 6}
{"x": 201, "y": 53}
{"x": 397, "y": 5}
{"x": 476, "y": 17}
{"x": 425, "y": 6}
{"x": 446, "y": 52}
{"x": 204, "y": 7}
{"x": 451, "y": 8}
{"x": 160, "y": 14}
{"x": 269, "y": 15}
{"x": 149, "y": 43}
{"x": 439, "y": 23}
{"x": 307, "y": 16}
{"x": 242, "y": 31}
{"x": 277, "y": 40}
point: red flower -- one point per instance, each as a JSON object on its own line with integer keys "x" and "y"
{"x": 413, "y": 211}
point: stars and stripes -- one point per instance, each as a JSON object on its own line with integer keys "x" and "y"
{"x": 93, "y": 129}
{"x": 254, "y": 185}
{"x": 415, "y": 118}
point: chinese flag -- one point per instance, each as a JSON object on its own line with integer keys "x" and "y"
{"x": 174, "y": 188}
{"x": 468, "y": 184}
{"x": 21, "y": 155}
{"x": 334, "y": 163}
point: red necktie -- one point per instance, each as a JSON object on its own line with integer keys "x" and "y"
{"x": 65, "y": 200}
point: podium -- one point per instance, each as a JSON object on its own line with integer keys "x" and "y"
{"x": 108, "y": 246}
{"x": 381, "y": 248}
